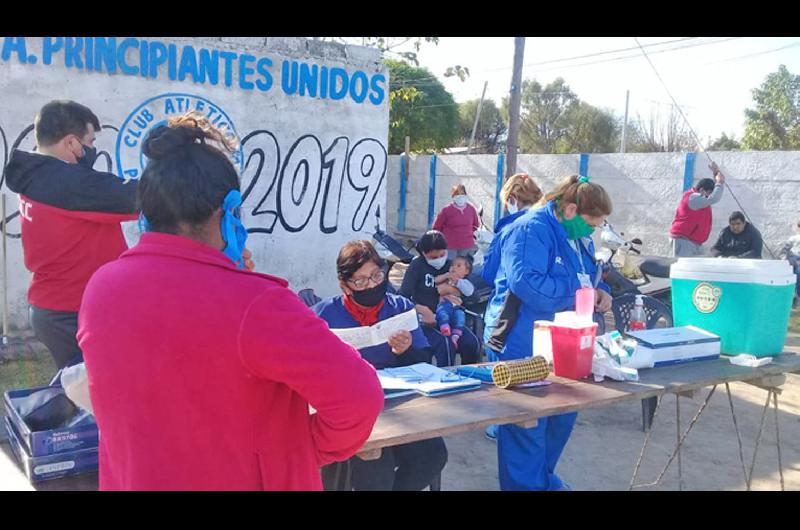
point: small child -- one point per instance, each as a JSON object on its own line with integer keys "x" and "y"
{"x": 451, "y": 318}
{"x": 792, "y": 247}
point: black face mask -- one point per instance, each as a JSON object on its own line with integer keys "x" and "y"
{"x": 370, "y": 297}
{"x": 89, "y": 156}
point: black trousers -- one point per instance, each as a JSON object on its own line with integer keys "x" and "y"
{"x": 57, "y": 330}
{"x": 444, "y": 352}
{"x": 407, "y": 467}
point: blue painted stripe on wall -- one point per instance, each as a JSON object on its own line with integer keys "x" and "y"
{"x": 501, "y": 162}
{"x": 688, "y": 172}
{"x": 583, "y": 168}
{"x": 432, "y": 191}
{"x": 401, "y": 214}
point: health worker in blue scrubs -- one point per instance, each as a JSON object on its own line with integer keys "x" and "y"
{"x": 547, "y": 256}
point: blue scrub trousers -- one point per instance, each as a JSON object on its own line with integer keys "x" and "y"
{"x": 527, "y": 458}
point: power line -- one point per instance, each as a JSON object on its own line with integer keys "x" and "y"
{"x": 422, "y": 80}
{"x": 699, "y": 145}
{"x": 755, "y": 54}
{"x": 565, "y": 59}
{"x": 633, "y": 56}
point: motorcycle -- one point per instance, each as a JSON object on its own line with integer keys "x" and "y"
{"x": 483, "y": 239}
{"x": 475, "y": 305}
{"x": 650, "y": 278}
{"x": 388, "y": 248}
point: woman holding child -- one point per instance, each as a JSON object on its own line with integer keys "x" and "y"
{"x": 426, "y": 281}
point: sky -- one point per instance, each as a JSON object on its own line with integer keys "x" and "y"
{"x": 711, "y": 78}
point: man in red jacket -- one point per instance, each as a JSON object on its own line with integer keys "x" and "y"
{"x": 70, "y": 216}
{"x": 692, "y": 224}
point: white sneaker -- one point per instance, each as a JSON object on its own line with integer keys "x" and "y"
{"x": 491, "y": 432}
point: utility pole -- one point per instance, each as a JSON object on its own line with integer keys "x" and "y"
{"x": 477, "y": 117}
{"x": 513, "y": 107}
{"x": 623, "y": 144}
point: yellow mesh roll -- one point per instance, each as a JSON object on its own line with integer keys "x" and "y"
{"x": 505, "y": 374}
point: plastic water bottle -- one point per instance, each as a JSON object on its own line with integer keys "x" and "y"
{"x": 637, "y": 319}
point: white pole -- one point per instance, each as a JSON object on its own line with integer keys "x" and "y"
{"x": 477, "y": 117}
{"x": 623, "y": 143}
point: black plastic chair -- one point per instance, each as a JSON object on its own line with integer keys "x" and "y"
{"x": 337, "y": 476}
{"x": 655, "y": 311}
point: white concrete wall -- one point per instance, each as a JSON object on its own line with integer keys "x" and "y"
{"x": 645, "y": 189}
{"x": 269, "y": 119}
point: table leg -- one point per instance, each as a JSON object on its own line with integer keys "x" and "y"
{"x": 758, "y": 440}
{"x": 778, "y": 439}
{"x": 678, "y": 429}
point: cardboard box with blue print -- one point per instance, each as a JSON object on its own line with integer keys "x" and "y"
{"x": 48, "y": 423}
{"x": 53, "y": 466}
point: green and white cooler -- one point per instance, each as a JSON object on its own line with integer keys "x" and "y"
{"x": 745, "y": 301}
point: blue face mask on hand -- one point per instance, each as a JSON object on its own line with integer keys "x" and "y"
{"x": 144, "y": 224}
{"x": 233, "y": 231}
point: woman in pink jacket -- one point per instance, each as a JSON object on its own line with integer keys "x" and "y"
{"x": 458, "y": 222}
{"x": 201, "y": 372}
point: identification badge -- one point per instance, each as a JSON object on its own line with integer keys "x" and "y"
{"x": 584, "y": 279}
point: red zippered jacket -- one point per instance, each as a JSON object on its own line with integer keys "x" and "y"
{"x": 70, "y": 217}
{"x": 201, "y": 375}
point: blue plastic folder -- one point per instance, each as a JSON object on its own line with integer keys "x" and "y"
{"x": 425, "y": 379}
{"x": 478, "y": 371}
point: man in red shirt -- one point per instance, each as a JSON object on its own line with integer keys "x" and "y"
{"x": 692, "y": 224}
{"x": 70, "y": 216}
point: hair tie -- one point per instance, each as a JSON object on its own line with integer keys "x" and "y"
{"x": 584, "y": 179}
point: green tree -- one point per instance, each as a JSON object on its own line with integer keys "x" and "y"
{"x": 554, "y": 120}
{"x": 544, "y": 115}
{"x": 491, "y": 125}
{"x": 421, "y": 108}
{"x": 589, "y": 130}
{"x": 775, "y": 122}
{"x": 724, "y": 143}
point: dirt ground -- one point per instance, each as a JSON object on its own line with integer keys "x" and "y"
{"x": 606, "y": 443}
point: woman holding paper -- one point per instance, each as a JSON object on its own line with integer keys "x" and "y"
{"x": 546, "y": 257}
{"x": 365, "y": 302}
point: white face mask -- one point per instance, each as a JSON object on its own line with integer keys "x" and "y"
{"x": 512, "y": 207}
{"x": 437, "y": 263}
{"x": 460, "y": 200}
